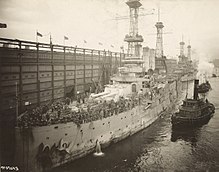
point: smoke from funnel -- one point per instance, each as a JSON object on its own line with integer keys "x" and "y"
{"x": 204, "y": 67}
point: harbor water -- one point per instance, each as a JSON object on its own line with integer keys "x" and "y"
{"x": 159, "y": 148}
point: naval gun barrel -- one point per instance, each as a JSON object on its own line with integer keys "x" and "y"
{"x": 109, "y": 95}
{"x": 98, "y": 95}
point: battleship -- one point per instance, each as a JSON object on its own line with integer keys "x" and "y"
{"x": 61, "y": 131}
{"x": 131, "y": 103}
{"x": 185, "y": 65}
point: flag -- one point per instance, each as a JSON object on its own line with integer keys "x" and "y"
{"x": 39, "y": 34}
{"x": 122, "y": 47}
{"x": 112, "y": 46}
{"x": 85, "y": 41}
{"x": 65, "y": 38}
{"x": 100, "y": 43}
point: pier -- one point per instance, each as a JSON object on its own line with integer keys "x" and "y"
{"x": 41, "y": 73}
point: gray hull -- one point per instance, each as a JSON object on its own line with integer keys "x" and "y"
{"x": 47, "y": 147}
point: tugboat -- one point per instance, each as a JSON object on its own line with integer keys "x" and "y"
{"x": 193, "y": 112}
{"x": 204, "y": 87}
{"x": 214, "y": 75}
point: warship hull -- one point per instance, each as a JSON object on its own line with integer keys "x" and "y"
{"x": 42, "y": 148}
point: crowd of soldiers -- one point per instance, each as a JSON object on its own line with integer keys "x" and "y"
{"x": 61, "y": 112}
{"x": 45, "y": 115}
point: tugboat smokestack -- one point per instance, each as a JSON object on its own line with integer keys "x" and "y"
{"x": 195, "y": 95}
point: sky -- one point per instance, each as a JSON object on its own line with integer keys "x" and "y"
{"x": 94, "y": 21}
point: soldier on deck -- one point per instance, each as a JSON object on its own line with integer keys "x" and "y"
{"x": 83, "y": 97}
{"x": 78, "y": 97}
{"x": 112, "y": 107}
{"x": 116, "y": 108}
{"x": 150, "y": 94}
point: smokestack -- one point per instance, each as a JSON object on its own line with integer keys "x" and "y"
{"x": 195, "y": 94}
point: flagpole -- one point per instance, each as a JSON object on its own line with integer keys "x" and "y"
{"x": 36, "y": 36}
{"x": 50, "y": 38}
